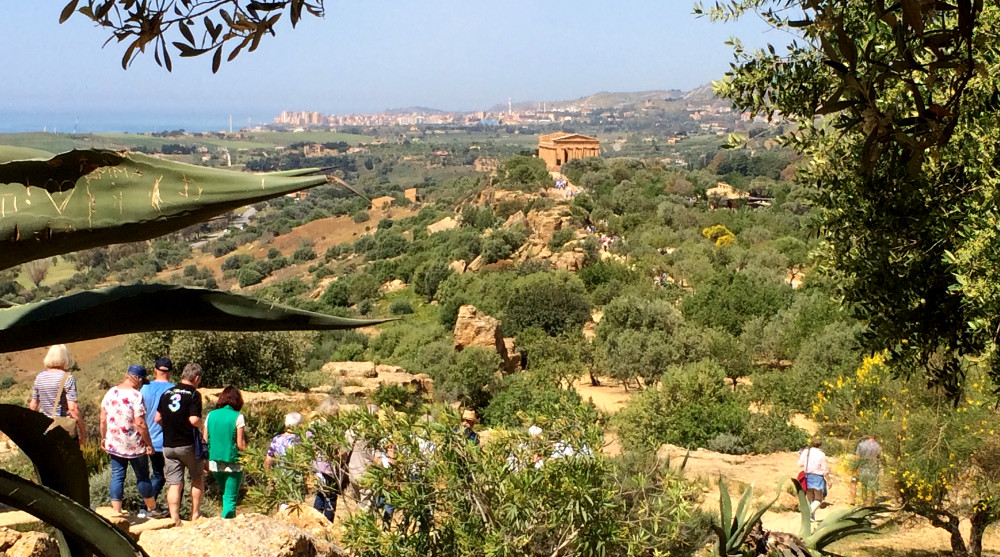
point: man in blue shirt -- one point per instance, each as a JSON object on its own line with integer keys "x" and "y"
{"x": 151, "y": 393}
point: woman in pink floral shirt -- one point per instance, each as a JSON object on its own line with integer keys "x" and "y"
{"x": 125, "y": 437}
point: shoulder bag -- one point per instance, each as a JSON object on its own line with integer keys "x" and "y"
{"x": 68, "y": 423}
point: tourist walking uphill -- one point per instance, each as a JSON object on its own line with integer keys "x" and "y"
{"x": 125, "y": 438}
{"x": 179, "y": 413}
{"x": 812, "y": 460}
{"x": 225, "y": 429}
{"x": 151, "y": 398}
{"x": 54, "y": 393}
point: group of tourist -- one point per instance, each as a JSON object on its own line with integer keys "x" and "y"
{"x": 155, "y": 428}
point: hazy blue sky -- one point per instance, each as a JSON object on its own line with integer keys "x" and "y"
{"x": 368, "y": 56}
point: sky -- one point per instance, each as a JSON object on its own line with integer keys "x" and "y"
{"x": 366, "y": 57}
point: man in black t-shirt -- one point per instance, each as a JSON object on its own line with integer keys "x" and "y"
{"x": 179, "y": 413}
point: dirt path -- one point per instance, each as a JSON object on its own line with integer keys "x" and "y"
{"x": 764, "y": 472}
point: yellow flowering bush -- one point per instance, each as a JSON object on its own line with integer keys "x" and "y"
{"x": 941, "y": 459}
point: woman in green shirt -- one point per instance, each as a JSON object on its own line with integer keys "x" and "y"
{"x": 224, "y": 430}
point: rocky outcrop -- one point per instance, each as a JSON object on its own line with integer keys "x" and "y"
{"x": 545, "y": 223}
{"x": 446, "y": 223}
{"x": 473, "y": 328}
{"x": 516, "y": 220}
{"x": 247, "y": 535}
{"x": 458, "y": 266}
{"x": 394, "y": 285}
{"x": 367, "y": 376}
{"x": 306, "y": 518}
{"x": 356, "y": 370}
{"x": 27, "y": 544}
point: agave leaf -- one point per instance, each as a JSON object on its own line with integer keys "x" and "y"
{"x": 725, "y": 509}
{"x": 94, "y": 532}
{"x": 89, "y": 198}
{"x": 805, "y": 515}
{"x": 55, "y": 455}
{"x": 141, "y": 308}
{"x": 744, "y": 531}
{"x": 741, "y": 509}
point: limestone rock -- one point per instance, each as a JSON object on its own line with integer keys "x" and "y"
{"x": 446, "y": 223}
{"x": 457, "y": 266}
{"x": 545, "y": 223}
{"x": 114, "y": 518}
{"x": 247, "y": 535}
{"x": 410, "y": 194}
{"x": 476, "y": 264}
{"x": 351, "y": 369}
{"x": 515, "y": 220}
{"x": 568, "y": 260}
{"x": 476, "y": 329}
{"x": 394, "y": 285}
{"x": 34, "y": 544}
{"x": 8, "y": 538}
{"x": 308, "y": 519}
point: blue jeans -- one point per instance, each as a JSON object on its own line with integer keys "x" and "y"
{"x": 140, "y": 467}
{"x": 156, "y": 464}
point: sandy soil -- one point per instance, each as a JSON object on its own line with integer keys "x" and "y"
{"x": 25, "y": 364}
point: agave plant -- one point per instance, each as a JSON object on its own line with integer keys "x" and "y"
{"x": 55, "y": 204}
{"x": 743, "y": 534}
{"x": 88, "y": 198}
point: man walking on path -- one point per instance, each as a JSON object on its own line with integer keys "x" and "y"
{"x": 179, "y": 414}
{"x": 869, "y": 454}
{"x": 151, "y": 398}
{"x": 125, "y": 438}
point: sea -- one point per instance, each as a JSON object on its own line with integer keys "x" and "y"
{"x": 82, "y": 121}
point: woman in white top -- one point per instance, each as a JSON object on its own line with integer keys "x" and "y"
{"x": 812, "y": 460}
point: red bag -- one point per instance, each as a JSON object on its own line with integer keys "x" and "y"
{"x": 801, "y": 478}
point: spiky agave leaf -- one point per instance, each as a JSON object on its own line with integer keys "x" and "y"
{"x": 88, "y": 198}
{"x": 141, "y": 308}
{"x": 56, "y": 457}
{"x": 92, "y": 531}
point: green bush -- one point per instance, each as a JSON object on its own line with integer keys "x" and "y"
{"x": 429, "y": 276}
{"x": 336, "y": 294}
{"x": 691, "y": 406}
{"x": 559, "y": 238}
{"x": 350, "y": 352}
{"x": 523, "y": 396}
{"x": 234, "y": 262}
{"x": 400, "y": 307}
{"x": 554, "y": 302}
{"x": 501, "y": 244}
{"x": 361, "y": 216}
{"x": 398, "y": 397}
{"x": 249, "y": 277}
{"x": 471, "y": 379}
{"x": 523, "y": 173}
{"x": 247, "y": 360}
{"x": 303, "y": 254}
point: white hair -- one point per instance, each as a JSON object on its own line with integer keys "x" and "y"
{"x": 58, "y": 358}
{"x": 293, "y": 420}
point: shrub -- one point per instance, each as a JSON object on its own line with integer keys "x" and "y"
{"x": 554, "y": 302}
{"x": 559, "y": 238}
{"x": 303, "y": 254}
{"x": 360, "y": 216}
{"x": 400, "y": 307}
{"x": 471, "y": 379}
{"x": 691, "y": 406}
{"x": 336, "y": 294}
{"x": 726, "y": 443}
{"x": 501, "y": 244}
{"x": 524, "y": 396}
{"x": 350, "y": 352}
{"x": 234, "y": 262}
{"x": 429, "y": 276}
{"x": 523, "y": 173}
{"x": 398, "y": 397}
{"x": 249, "y": 277}
{"x": 242, "y": 359}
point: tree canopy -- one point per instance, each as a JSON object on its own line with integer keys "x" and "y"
{"x": 203, "y": 26}
{"x": 894, "y": 105}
